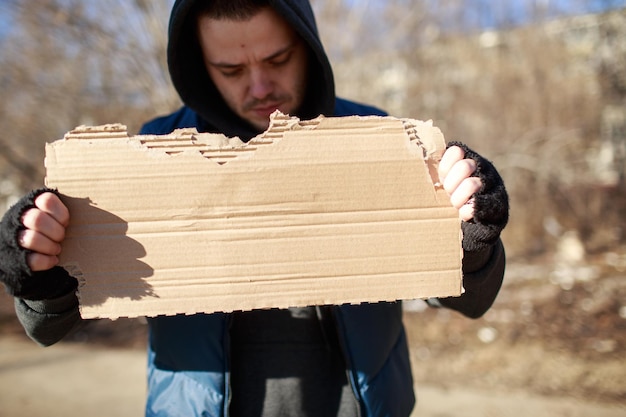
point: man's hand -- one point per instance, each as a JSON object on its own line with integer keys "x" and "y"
{"x": 455, "y": 174}
{"x": 31, "y": 233}
{"x": 44, "y": 231}
{"x": 477, "y": 191}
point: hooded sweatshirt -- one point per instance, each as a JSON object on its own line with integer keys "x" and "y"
{"x": 205, "y": 109}
{"x": 197, "y": 91}
{"x": 276, "y": 362}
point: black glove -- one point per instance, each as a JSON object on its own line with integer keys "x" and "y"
{"x": 491, "y": 205}
{"x": 15, "y": 274}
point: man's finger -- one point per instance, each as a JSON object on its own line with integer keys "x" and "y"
{"x": 50, "y": 203}
{"x": 37, "y": 242}
{"x": 466, "y": 213}
{"x": 451, "y": 156}
{"x": 43, "y": 223}
{"x": 459, "y": 172}
{"x": 464, "y": 192}
{"x": 38, "y": 262}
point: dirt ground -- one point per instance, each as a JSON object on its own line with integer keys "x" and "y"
{"x": 554, "y": 344}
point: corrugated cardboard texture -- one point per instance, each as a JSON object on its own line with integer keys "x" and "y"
{"x": 327, "y": 211}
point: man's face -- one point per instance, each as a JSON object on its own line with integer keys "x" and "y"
{"x": 258, "y": 65}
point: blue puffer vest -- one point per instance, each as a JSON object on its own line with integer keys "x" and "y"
{"x": 188, "y": 356}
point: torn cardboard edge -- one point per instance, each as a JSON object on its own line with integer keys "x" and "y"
{"x": 317, "y": 212}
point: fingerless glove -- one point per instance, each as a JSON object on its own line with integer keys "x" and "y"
{"x": 491, "y": 205}
{"x": 15, "y": 274}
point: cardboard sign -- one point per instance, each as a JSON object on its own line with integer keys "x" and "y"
{"x": 326, "y": 211}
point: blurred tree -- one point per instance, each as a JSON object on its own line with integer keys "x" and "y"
{"x": 70, "y": 62}
{"x": 530, "y": 96}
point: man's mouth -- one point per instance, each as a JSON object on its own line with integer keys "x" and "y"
{"x": 265, "y": 109}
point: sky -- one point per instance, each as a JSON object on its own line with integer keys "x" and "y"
{"x": 493, "y": 14}
{"x": 486, "y": 12}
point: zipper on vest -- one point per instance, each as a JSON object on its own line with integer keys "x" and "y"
{"x": 226, "y": 346}
{"x": 341, "y": 335}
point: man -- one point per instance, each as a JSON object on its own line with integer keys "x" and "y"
{"x": 233, "y": 63}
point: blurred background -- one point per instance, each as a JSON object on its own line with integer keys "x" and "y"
{"x": 537, "y": 86}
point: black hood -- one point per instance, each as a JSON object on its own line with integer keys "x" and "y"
{"x": 197, "y": 91}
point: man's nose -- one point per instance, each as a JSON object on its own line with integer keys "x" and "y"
{"x": 260, "y": 84}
